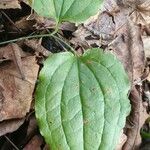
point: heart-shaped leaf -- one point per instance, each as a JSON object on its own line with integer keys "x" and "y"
{"x": 66, "y": 10}
{"x": 81, "y": 102}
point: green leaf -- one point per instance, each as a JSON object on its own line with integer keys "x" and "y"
{"x": 66, "y": 10}
{"x": 81, "y": 102}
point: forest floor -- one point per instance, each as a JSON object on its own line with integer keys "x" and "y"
{"x": 122, "y": 27}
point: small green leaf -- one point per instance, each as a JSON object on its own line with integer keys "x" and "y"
{"x": 81, "y": 102}
{"x": 66, "y": 10}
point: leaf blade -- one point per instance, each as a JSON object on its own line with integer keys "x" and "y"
{"x": 66, "y": 10}
{"x": 89, "y": 101}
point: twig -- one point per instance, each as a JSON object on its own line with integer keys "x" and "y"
{"x": 16, "y": 148}
{"x": 8, "y": 18}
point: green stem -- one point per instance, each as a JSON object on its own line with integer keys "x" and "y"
{"x": 24, "y": 38}
{"x": 56, "y": 29}
{"x": 39, "y": 36}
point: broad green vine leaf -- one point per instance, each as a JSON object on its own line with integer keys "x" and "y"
{"x": 66, "y": 10}
{"x": 81, "y": 102}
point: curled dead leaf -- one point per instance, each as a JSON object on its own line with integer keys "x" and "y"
{"x": 137, "y": 119}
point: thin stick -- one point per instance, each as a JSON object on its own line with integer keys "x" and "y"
{"x": 8, "y": 18}
{"x": 24, "y": 38}
{"x": 16, "y": 148}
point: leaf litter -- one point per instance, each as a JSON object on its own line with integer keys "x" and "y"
{"x": 17, "y": 91}
{"x": 17, "y": 79}
{"x": 121, "y": 27}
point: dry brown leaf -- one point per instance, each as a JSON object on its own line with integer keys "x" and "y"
{"x": 137, "y": 119}
{"x": 141, "y": 12}
{"x": 7, "y": 4}
{"x": 16, "y": 56}
{"x": 35, "y": 143}
{"x": 32, "y": 127}
{"x": 6, "y": 52}
{"x": 17, "y": 93}
{"x": 84, "y": 38}
{"x": 121, "y": 35}
{"x": 146, "y": 42}
{"x": 138, "y": 10}
{"x": 37, "y": 47}
{"x": 146, "y": 29}
{"x": 102, "y": 26}
{"x": 23, "y": 24}
{"x": 13, "y": 52}
{"x": 10, "y": 126}
{"x": 128, "y": 46}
